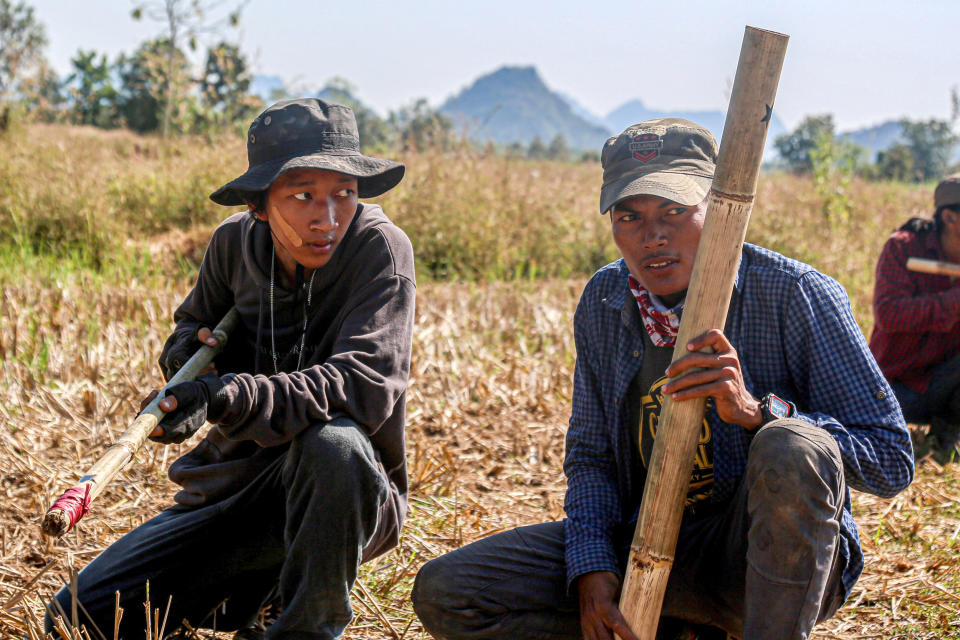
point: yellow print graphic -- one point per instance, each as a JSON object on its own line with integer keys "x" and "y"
{"x": 651, "y": 406}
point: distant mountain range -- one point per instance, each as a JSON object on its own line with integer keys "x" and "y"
{"x": 636, "y": 111}
{"x": 514, "y": 105}
{"x": 876, "y": 138}
{"x": 269, "y": 88}
{"x": 883, "y": 136}
{"x": 266, "y": 87}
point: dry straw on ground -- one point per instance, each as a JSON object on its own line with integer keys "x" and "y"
{"x": 490, "y": 391}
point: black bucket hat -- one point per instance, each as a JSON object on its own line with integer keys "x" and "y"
{"x": 307, "y": 133}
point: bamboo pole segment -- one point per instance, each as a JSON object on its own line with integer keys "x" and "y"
{"x": 708, "y": 297}
{"x": 75, "y": 501}
{"x": 935, "y": 267}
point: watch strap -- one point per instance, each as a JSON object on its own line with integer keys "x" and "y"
{"x": 773, "y": 407}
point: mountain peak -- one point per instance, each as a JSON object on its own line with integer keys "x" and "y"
{"x": 513, "y": 104}
{"x": 509, "y": 80}
{"x": 513, "y": 74}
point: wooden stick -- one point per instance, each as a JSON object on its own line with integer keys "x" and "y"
{"x": 57, "y": 520}
{"x": 708, "y": 296}
{"x": 936, "y": 267}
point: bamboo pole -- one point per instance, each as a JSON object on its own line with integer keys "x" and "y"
{"x": 708, "y": 296}
{"x": 74, "y": 503}
{"x": 935, "y": 267}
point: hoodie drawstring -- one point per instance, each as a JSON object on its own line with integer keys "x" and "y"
{"x": 256, "y": 357}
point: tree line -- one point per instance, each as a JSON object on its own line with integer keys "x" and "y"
{"x": 152, "y": 89}
{"x": 924, "y": 149}
{"x": 156, "y": 89}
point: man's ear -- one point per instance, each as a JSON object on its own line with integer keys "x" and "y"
{"x": 947, "y": 217}
{"x": 261, "y": 215}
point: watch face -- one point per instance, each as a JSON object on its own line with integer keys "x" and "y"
{"x": 778, "y": 407}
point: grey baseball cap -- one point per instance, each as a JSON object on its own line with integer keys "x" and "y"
{"x": 947, "y": 193}
{"x": 669, "y": 157}
{"x": 307, "y": 133}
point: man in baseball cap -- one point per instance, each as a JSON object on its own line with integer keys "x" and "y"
{"x": 768, "y": 545}
{"x": 916, "y": 332}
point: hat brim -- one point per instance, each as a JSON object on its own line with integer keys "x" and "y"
{"x": 375, "y": 176}
{"x": 681, "y": 188}
{"x": 947, "y": 193}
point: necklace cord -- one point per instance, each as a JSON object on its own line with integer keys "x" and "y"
{"x": 306, "y": 309}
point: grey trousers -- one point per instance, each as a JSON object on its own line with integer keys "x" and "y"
{"x": 765, "y": 567}
{"x": 300, "y": 527}
{"x": 939, "y": 406}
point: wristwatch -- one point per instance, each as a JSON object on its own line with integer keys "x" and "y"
{"x": 773, "y": 407}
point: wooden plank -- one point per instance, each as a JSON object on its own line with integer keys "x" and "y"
{"x": 935, "y": 267}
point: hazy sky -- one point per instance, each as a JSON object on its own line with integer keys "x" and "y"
{"x": 865, "y": 62}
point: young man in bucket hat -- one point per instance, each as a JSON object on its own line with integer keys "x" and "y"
{"x": 798, "y": 411}
{"x": 916, "y": 333}
{"x": 303, "y": 476}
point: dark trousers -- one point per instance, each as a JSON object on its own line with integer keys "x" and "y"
{"x": 939, "y": 406}
{"x": 767, "y": 566}
{"x": 300, "y": 527}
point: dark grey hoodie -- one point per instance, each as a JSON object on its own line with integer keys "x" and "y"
{"x": 356, "y": 358}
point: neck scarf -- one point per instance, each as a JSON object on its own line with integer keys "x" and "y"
{"x": 662, "y": 324}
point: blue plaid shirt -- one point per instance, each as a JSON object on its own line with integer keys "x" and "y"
{"x": 795, "y": 333}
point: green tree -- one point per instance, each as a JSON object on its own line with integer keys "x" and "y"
{"x": 22, "y": 40}
{"x": 225, "y": 87}
{"x": 515, "y": 150}
{"x": 795, "y": 147}
{"x": 144, "y": 88}
{"x": 954, "y": 105}
{"x": 185, "y": 21}
{"x": 558, "y": 150}
{"x": 590, "y": 156}
{"x": 42, "y": 94}
{"x": 896, "y": 163}
{"x": 832, "y": 165}
{"x": 537, "y": 149}
{"x": 419, "y": 127}
{"x": 92, "y": 94}
{"x": 931, "y": 143}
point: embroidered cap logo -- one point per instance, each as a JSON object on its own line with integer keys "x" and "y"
{"x": 646, "y": 146}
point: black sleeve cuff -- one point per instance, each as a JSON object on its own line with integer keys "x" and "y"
{"x": 219, "y": 399}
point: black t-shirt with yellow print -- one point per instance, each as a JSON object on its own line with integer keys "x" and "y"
{"x": 645, "y": 402}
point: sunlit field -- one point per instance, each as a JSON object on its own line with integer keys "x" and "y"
{"x": 101, "y": 233}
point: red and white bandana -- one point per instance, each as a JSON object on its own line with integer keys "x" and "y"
{"x": 661, "y": 324}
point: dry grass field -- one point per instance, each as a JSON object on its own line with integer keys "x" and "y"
{"x": 91, "y": 272}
